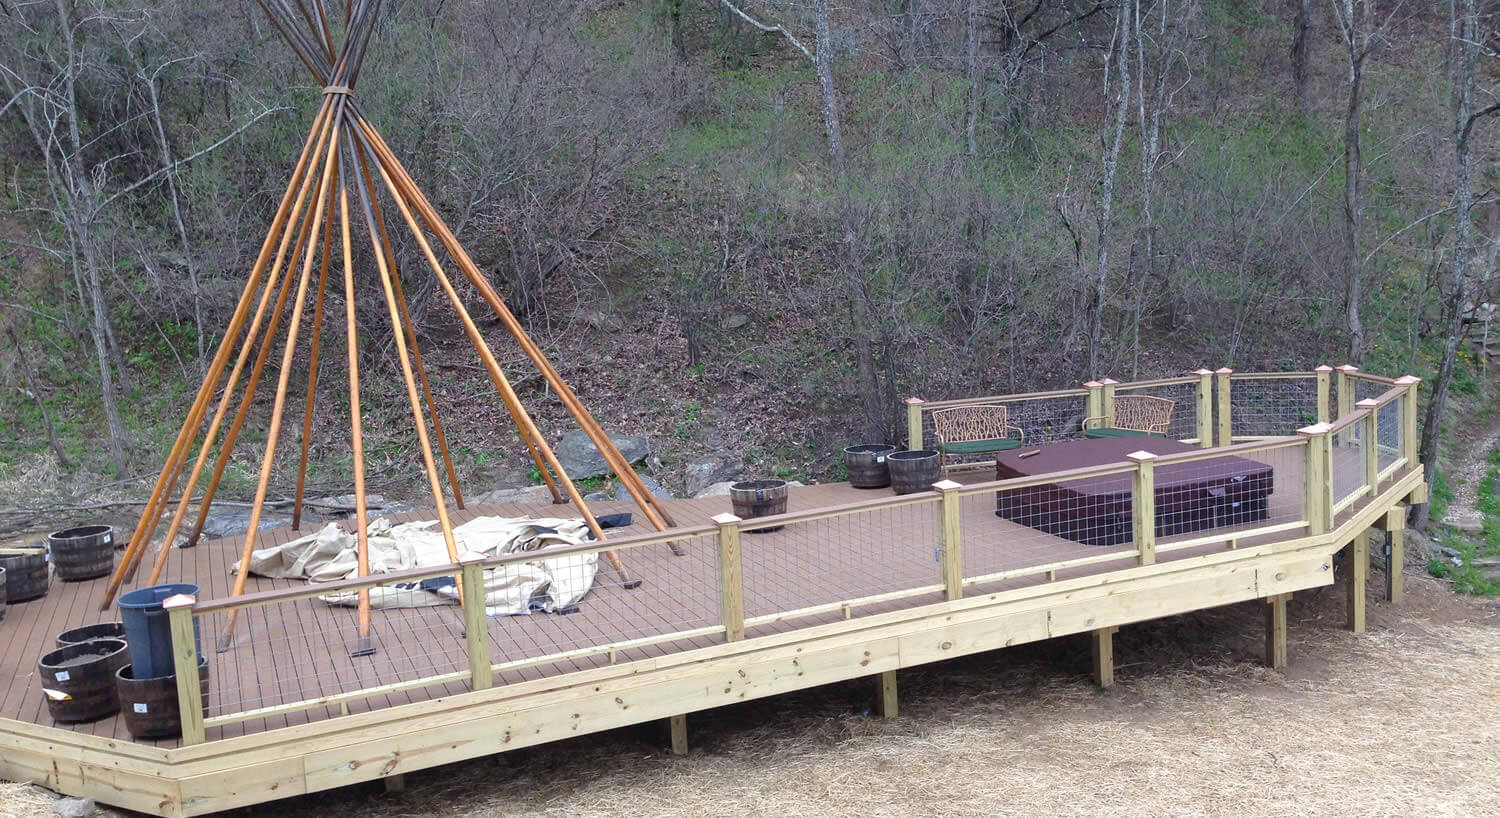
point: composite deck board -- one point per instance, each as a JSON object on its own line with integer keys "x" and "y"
{"x": 294, "y": 651}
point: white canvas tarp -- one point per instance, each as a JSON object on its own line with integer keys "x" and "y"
{"x": 541, "y": 584}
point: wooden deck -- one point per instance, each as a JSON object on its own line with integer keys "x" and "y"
{"x": 828, "y": 597}
{"x": 300, "y": 650}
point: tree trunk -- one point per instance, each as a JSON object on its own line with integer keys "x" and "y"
{"x": 1107, "y": 189}
{"x": 972, "y": 28}
{"x": 1354, "y": 203}
{"x": 1301, "y": 34}
{"x": 1463, "y": 245}
{"x": 823, "y": 62}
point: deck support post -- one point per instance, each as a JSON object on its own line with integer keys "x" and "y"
{"x": 1346, "y": 389}
{"x": 677, "y": 726}
{"x": 1205, "y": 408}
{"x": 885, "y": 698}
{"x": 395, "y": 783}
{"x": 731, "y": 588}
{"x": 948, "y": 535}
{"x": 1325, "y": 378}
{"x": 1108, "y": 397}
{"x": 1226, "y": 425}
{"x": 1359, "y": 573}
{"x": 1394, "y": 523}
{"x": 476, "y": 624}
{"x": 1143, "y": 505}
{"x": 914, "y": 423}
{"x": 185, "y": 665}
{"x": 1102, "y": 648}
{"x": 1317, "y": 486}
{"x": 1276, "y": 630}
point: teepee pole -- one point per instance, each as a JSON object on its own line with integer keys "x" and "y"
{"x": 273, "y": 433}
{"x": 298, "y": 243}
{"x": 428, "y": 461}
{"x": 386, "y": 248}
{"x": 497, "y": 376}
{"x": 644, "y": 498}
{"x": 267, "y": 340}
{"x": 356, "y": 425}
{"x": 310, "y": 399}
{"x": 151, "y": 514}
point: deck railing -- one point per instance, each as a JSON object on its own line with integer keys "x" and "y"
{"x": 738, "y": 580}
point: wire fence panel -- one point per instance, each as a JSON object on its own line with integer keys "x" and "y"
{"x": 1184, "y": 422}
{"x": 1390, "y": 428}
{"x": 1366, "y": 389}
{"x": 676, "y": 594}
{"x": 1272, "y": 407}
{"x": 1044, "y": 419}
{"x": 301, "y": 650}
{"x": 1009, "y": 531}
{"x": 824, "y": 563}
{"x": 1348, "y": 451}
{"x": 1229, "y": 497}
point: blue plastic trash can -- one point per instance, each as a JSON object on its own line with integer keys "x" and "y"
{"x": 148, "y": 631}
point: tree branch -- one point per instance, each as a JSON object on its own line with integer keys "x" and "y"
{"x": 778, "y": 28}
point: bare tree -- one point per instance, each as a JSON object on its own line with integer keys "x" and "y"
{"x": 1104, "y": 216}
{"x": 1460, "y": 289}
{"x": 1301, "y": 36}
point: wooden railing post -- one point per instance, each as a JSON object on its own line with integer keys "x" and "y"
{"x": 1225, "y": 420}
{"x": 185, "y": 665}
{"x": 1317, "y": 482}
{"x": 1346, "y": 389}
{"x": 1371, "y": 433}
{"x": 948, "y": 533}
{"x": 1205, "y": 407}
{"x": 476, "y": 624}
{"x": 1107, "y": 410}
{"x": 1409, "y": 441}
{"x": 1143, "y": 505}
{"x": 1095, "y": 406}
{"x": 1325, "y": 375}
{"x": 731, "y": 584}
{"x": 914, "y": 423}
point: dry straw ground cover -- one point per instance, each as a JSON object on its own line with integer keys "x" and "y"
{"x": 1404, "y": 720}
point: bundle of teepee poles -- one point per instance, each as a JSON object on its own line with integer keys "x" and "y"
{"x": 344, "y": 165}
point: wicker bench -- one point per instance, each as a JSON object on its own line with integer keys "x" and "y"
{"x": 972, "y": 430}
{"x": 1135, "y": 416}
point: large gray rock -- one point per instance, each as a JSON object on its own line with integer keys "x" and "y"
{"x": 527, "y": 496}
{"x": 709, "y": 469}
{"x": 652, "y": 485}
{"x": 74, "y": 808}
{"x": 235, "y": 522}
{"x": 582, "y": 459}
{"x": 721, "y": 489}
{"x": 344, "y": 503}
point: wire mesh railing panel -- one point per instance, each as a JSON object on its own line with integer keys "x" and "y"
{"x": 1366, "y": 389}
{"x": 1230, "y": 496}
{"x": 1348, "y": 462}
{"x": 1184, "y": 420}
{"x": 1390, "y": 430}
{"x": 1272, "y": 407}
{"x": 302, "y": 650}
{"x": 839, "y": 559}
{"x": 1042, "y": 420}
{"x": 590, "y": 608}
{"x": 1007, "y": 531}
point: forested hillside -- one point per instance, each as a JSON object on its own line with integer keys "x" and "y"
{"x": 753, "y": 226}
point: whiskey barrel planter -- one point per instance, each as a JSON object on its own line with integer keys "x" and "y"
{"x": 913, "y": 471}
{"x": 79, "y": 680}
{"x": 866, "y": 465}
{"x": 150, "y": 705}
{"x": 25, "y": 576}
{"x": 758, "y": 498}
{"x": 88, "y": 633}
{"x": 85, "y": 552}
